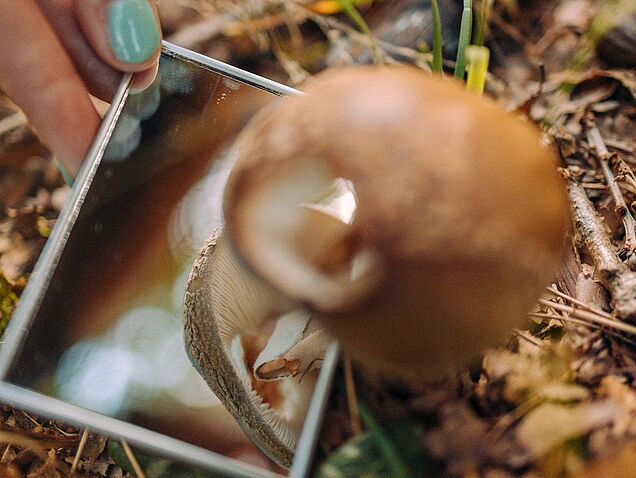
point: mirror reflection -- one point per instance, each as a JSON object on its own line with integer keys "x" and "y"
{"x": 109, "y": 333}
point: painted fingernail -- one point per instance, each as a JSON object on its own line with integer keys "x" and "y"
{"x": 133, "y": 29}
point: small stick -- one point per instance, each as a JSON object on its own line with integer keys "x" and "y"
{"x": 584, "y": 323}
{"x": 590, "y": 316}
{"x": 595, "y": 139}
{"x": 592, "y": 234}
{"x": 5, "y": 453}
{"x": 133, "y": 460}
{"x": 352, "y": 400}
{"x": 574, "y": 301}
{"x": 80, "y": 449}
{"x": 531, "y": 341}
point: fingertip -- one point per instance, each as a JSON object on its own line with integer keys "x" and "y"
{"x": 144, "y": 79}
{"x": 124, "y": 33}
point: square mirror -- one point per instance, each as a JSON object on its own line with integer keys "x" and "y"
{"x": 97, "y": 339}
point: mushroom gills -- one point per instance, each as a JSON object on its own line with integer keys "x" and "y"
{"x": 233, "y": 318}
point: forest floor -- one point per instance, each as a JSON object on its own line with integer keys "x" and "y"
{"x": 560, "y": 399}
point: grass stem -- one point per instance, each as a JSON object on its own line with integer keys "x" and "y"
{"x": 350, "y": 9}
{"x": 478, "y": 59}
{"x": 437, "y": 37}
{"x": 387, "y": 448}
{"x": 464, "y": 39}
{"x": 481, "y": 25}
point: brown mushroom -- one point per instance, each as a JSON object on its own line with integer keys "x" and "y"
{"x": 249, "y": 343}
{"x": 458, "y": 219}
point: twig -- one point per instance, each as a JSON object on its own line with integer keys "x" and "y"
{"x": 596, "y": 140}
{"x": 5, "y": 453}
{"x": 35, "y": 445}
{"x": 349, "y": 8}
{"x": 530, "y": 340}
{"x": 592, "y": 234}
{"x": 421, "y": 59}
{"x": 575, "y": 320}
{"x": 352, "y": 400}
{"x": 132, "y": 459}
{"x": 590, "y": 316}
{"x": 583, "y": 305}
{"x": 80, "y": 449}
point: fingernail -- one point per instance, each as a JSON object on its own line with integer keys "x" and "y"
{"x": 133, "y": 29}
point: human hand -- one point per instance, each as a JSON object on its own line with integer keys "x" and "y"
{"x": 54, "y": 52}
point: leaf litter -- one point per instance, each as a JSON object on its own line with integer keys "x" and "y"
{"x": 558, "y": 401}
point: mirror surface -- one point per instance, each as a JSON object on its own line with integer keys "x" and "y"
{"x": 108, "y": 335}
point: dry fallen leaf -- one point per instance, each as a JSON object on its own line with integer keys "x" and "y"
{"x": 459, "y": 438}
{"x": 550, "y": 425}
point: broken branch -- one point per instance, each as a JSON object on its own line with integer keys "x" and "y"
{"x": 604, "y": 156}
{"x": 592, "y": 234}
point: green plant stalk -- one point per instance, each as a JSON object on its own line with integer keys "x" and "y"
{"x": 464, "y": 39}
{"x": 350, "y": 9}
{"x": 478, "y": 59}
{"x": 482, "y": 22}
{"x": 437, "y": 37}
{"x": 68, "y": 179}
{"x": 394, "y": 461}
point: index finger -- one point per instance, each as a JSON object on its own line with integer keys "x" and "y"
{"x": 37, "y": 74}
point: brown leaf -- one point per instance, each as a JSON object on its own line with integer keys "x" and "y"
{"x": 8, "y": 470}
{"x": 49, "y": 468}
{"x": 550, "y": 425}
{"x": 459, "y": 438}
{"x": 617, "y": 465}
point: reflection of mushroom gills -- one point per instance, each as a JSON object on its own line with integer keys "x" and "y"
{"x": 229, "y": 327}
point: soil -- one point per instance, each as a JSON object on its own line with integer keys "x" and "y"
{"x": 559, "y": 400}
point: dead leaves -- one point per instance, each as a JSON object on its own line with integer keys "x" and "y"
{"x": 550, "y": 425}
{"x": 459, "y": 439}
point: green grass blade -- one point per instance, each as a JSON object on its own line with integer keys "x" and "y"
{"x": 350, "y": 9}
{"x": 464, "y": 39}
{"x": 394, "y": 461}
{"x": 437, "y": 37}
{"x": 481, "y": 26}
{"x": 68, "y": 179}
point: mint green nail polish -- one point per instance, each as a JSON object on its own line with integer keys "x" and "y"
{"x": 133, "y": 29}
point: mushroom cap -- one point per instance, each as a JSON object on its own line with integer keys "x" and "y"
{"x": 225, "y": 309}
{"x": 460, "y": 216}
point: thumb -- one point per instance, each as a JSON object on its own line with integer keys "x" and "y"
{"x": 124, "y": 33}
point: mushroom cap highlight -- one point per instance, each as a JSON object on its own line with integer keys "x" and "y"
{"x": 459, "y": 219}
